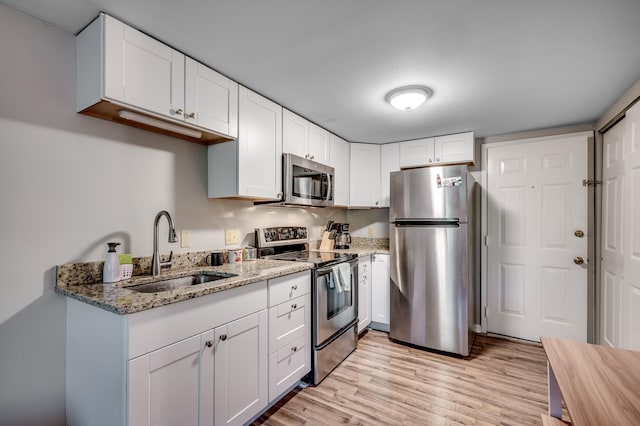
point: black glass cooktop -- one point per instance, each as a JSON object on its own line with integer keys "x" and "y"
{"x": 318, "y": 258}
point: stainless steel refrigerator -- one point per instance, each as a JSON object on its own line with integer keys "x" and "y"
{"x": 432, "y": 243}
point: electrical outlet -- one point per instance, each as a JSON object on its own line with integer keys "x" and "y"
{"x": 230, "y": 236}
{"x": 185, "y": 239}
{"x": 370, "y": 232}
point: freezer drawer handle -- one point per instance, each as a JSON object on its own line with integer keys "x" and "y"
{"x": 427, "y": 222}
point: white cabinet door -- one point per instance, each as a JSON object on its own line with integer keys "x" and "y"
{"x": 318, "y": 144}
{"x": 339, "y": 160}
{"x": 241, "y": 376}
{"x": 173, "y": 385}
{"x": 260, "y": 146}
{"x": 251, "y": 166}
{"x": 389, "y": 162}
{"x": 141, "y": 71}
{"x": 380, "y": 291}
{"x": 417, "y": 153}
{"x": 458, "y": 148}
{"x": 364, "y": 175}
{"x": 295, "y": 134}
{"x": 211, "y": 99}
{"x": 304, "y": 139}
{"x": 364, "y": 293}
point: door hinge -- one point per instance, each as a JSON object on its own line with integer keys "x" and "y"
{"x": 586, "y": 182}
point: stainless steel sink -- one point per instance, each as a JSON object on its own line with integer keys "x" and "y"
{"x": 182, "y": 282}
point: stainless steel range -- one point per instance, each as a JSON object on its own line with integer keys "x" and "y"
{"x": 334, "y": 294}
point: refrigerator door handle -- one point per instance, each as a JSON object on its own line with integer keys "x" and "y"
{"x": 448, "y": 222}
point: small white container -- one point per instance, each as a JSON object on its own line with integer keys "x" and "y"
{"x": 111, "y": 269}
{"x": 235, "y": 256}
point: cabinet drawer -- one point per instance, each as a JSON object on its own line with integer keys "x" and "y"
{"x": 289, "y": 321}
{"x": 288, "y": 365}
{"x": 283, "y": 289}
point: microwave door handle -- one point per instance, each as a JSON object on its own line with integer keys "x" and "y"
{"x": 329, "y": 188}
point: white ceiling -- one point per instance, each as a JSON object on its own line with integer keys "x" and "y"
{"x": 495, "y": 66}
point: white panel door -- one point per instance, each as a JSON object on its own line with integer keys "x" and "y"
{"x": 631, "y": 231}
{"x": 211, "y": 99}
{"x": 318, "y": 144}
{"x": 259, "y": 146}
{"x": 536, "y": 204}
{"x": 173, "y": 385}
{"x": 389, "y": 162}
{"x": 364, "y": 175}
{"x": 612, "y": 265}
{"x": 141, "y": 71}
{"x": 295, "y": 134}
{"x": 241, "y": 375}
{"x": 339, "y": 160}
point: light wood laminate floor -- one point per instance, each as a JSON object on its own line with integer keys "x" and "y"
{"x": 382, "y": 383}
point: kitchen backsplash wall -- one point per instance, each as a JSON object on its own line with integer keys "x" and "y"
{"x": 373, "y": 223}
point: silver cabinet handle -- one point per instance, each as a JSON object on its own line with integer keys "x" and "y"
{"x": 294, "y": 306}
{"x": 313, "y": 157}
{"x": 306, "y": 156}
{"x": 209, "y": 343}
{"x": 223, "y": 337}
{"x": 177, "y": 111}
{"x": 294, "y": 349}
{"x": 294, "y": 287}
{"x": 191, "y": 115}
{"x": 437, "y": 159}
{"x": 430, "y": 160}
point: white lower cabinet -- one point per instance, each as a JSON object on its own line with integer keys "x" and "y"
{"x": 380, "y": 275}
{"x": 289, "y": 332}
{"x": 364, "y": 293}
{"x": 241, "y": 387}
{"x": 217, "y": 359}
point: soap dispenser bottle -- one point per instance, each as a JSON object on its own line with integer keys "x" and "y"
{"x": 111, "y": 270}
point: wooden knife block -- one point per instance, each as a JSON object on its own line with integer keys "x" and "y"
{"x": 326, "y": 243}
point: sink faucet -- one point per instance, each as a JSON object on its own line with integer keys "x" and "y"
{"x": 173, "y": 238}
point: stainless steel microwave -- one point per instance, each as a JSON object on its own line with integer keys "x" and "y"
{"x": 306, "y": 182}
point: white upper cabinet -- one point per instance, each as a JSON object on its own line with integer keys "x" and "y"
{"x": 211, "y": 99}
{"x": 417, "y": 153}
{"x": 120, "y": 68}
{"x": 364, "y": 175}
{"x": 339, "y": 160}
{"x": 389, "y": 162}
{"x": 251, "y": 166}
{"x": 458, "y": 148}
{"x": 304, "y": 139}
{"x": 450, "y": 149}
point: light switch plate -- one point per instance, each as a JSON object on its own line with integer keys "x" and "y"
{"x": 185, "y": 239}
{"x": 230, "y": 236}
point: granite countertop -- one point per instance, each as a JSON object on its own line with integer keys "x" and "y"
{"x": 118, "y": 298}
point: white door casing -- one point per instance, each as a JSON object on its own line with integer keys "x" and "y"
{"x": 535, "y": 202}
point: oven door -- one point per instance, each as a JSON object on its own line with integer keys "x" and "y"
{"x": 334, "y": 307}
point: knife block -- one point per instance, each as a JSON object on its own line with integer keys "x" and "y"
{"x": 326, "y": 243}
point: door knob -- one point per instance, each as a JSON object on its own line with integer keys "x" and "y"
{"x": 578, "y": 260}
{"x": 579, "y": 233}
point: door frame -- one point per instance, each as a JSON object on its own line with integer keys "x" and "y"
{"x": 593, "y": 262}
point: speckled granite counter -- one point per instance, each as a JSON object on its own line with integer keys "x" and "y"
{"x": 74, "y": 280}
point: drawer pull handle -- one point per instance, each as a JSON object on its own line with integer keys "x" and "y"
{"x": 294, "y": 349}
{"x": 209, "y": 343}
{"x": 223, "y": 337}
{"x": 294, "y": 287}
{"x": 294, "y": 306}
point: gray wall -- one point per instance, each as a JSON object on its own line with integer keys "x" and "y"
{"x": 70, "y": 183}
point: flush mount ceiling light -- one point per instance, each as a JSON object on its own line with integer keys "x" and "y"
{"x": 408, "y": 97}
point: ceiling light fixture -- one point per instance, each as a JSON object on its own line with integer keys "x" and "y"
{"x": 149, "y": 121}
{"x": 408, "y": 97}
